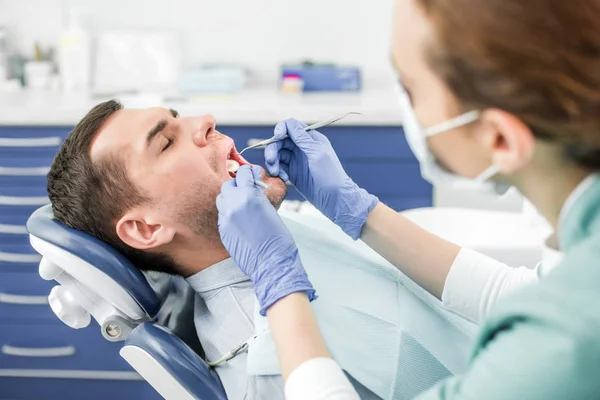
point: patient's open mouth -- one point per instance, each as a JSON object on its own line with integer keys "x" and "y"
{"x": 234, "y": 161}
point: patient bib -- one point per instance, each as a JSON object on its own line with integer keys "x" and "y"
{"x": 383, "y": 329}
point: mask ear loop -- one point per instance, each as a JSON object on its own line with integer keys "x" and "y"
{"x": 487, "y": 174}
{"x": 455, "y": 122}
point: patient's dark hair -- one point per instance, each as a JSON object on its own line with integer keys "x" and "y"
{"x": 91, "y": 197}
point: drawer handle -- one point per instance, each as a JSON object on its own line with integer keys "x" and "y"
{"x": 20, "y": 258}
{"x": 23, "y": 300}
{"x": 31, "y": 142}
{"x": 24, "y": 201}
{"x": 13, "y": 229}
{"x": 65, "y": 351}
{"x": 35, "y": 171}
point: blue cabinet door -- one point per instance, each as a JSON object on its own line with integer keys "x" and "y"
{"x": 24, "y": 299}
{"x": 58, "y": 347}
{"x": 53, "y": 388}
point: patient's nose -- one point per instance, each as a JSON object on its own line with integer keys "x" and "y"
{"x": 202, "y": 127}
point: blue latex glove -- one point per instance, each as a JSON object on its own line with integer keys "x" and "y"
{"x": 308, "y": 161}
{"x": 258, "y": 241}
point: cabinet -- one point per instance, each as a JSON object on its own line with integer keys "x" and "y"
{"x": 40, "y": 357}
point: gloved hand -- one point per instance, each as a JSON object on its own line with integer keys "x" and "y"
{"x": 310, "y": 163}
{"x": 258, "y": 241}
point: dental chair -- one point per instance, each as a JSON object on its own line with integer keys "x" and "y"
{"x": 95, "y": 280}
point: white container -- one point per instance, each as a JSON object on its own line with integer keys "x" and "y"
{"x": 3, "y": 54}
{"x": 136, "y": 61}
{"x": 38, "y": 74}
{"x": 74, "y": 57}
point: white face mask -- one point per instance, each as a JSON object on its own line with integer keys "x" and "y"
{"x": 431, "y": 171}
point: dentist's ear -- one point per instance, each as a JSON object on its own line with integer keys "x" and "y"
{"x": 142, "y": 232}
{"x": 510, "y": 139}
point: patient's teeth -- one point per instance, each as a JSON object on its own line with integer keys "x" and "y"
{"x": 232, "y": 165}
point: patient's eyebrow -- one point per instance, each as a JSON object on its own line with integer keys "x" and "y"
{"x": 158, "y": 128}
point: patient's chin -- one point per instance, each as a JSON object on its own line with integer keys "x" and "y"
{"x": 278, "y": 190}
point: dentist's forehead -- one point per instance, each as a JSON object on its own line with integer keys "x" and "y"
{"x": 411, "y": 33}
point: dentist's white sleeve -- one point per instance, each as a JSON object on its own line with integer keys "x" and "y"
{"x": 475, "y": 282}
{"x": 319, "y": 379}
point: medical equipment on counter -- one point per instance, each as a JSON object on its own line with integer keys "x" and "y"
{"x": 75, "y": 55}
{"x": 96, "y": 280}
{"x": 308, "y": 128}
{"x": 137, "y": 61}
{"x": 214, "y": 78}
{"x": 3, "y": 54}
{"x": 312, "y": 77}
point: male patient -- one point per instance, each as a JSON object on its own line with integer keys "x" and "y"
{"x": 145, "y": 181}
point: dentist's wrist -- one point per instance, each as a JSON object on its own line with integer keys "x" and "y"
{"x": 281, "y": 279}
{"x": 352, "y": 208}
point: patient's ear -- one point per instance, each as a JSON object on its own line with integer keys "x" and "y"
{"x": 142, "y": 231}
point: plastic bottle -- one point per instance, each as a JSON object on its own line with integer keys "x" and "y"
{"x": 3, "y": 54}
{"x": 74, "y": 56}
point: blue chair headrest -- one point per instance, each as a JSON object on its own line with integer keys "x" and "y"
{"x": 179, "y": 360}
{"x": 105, "y": 258}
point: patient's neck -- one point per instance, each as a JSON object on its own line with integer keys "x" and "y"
{"x": 195, "y": 254}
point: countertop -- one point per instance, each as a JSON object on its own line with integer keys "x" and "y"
{"x": 253, "y": 106}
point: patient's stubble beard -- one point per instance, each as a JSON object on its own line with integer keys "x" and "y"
{"x": 199, "y": 208}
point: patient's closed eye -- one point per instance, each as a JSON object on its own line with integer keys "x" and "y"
{"x": 168, "y": 144}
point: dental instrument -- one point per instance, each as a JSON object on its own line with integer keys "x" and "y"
{"x": 262, "y": 184}
{"x": 239, "y": 349}
{"x": 308, "y": 128}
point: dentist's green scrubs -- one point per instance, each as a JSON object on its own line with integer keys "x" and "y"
{"x": 544, "y": 342}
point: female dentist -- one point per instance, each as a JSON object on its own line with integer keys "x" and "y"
{"x": 523, "y": 79}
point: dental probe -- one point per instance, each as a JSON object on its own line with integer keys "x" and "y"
{"x": 308, "y": 128}
{"x": 262, "y": 184}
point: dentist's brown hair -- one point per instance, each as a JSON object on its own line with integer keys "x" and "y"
{"x": 536, "y": 59}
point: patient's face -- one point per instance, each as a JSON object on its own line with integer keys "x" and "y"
{"x": 178, "y": 163}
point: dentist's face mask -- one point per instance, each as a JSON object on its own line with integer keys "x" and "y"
{"x": 431, "y": 171}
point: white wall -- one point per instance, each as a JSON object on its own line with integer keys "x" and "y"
{"x": 258, "y": 33}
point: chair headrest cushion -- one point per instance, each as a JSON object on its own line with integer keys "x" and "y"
{"x": 105, "y": 258}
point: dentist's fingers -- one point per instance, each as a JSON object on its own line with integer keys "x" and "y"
{"x": 244, "y": 176}
{"x": 294, "y": 124}
{"x": 280, "y": 130}
{"x": 272, "y": 152}
{"x": 284, "y": 171}
{"x": 297, "y": 133}
{"x": 221, "y": 205}
{"x": 228, "y": 185}
{"x": 285, "y": 157}
{"x": 318, "y": 137}
{"x": 273, "y": 170}
{"x": 257, "y": 172}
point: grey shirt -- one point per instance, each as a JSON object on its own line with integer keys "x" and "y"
{"x": 223, "y": 317}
